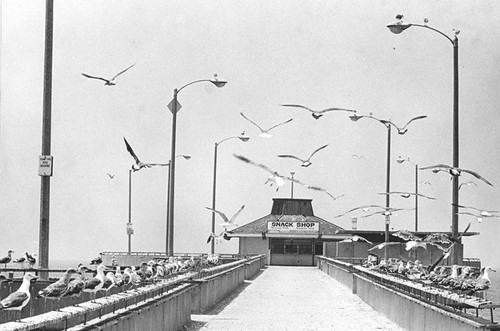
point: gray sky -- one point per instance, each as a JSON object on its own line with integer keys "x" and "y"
{"x": 319, "y": 54}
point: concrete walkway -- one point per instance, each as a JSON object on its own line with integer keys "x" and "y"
{"x": 291, "y": 298}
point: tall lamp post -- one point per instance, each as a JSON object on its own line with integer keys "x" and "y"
{"x": 398, "y": 27}
{"x": 401, "y": 160}
{"x": 174, "y": 107}
{"x": 186, "y": 157}
{"x": 241, "y": 137}
{"x": 355, "y": 118}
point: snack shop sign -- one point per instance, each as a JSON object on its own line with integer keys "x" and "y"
{"x": 279, "y": 226}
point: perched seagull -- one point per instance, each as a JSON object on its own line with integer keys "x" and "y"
{"x": 305, "y": 162}
{"x": 7, "y": 259}
{"x": 365, "y": 208}
{"x": 96, "y": 261}
{"x": 358, "y": 156}
{"x": 96, "y": 283}
{"x": 408, "y": 194}
{"x": 355, "y": 238}
{"x": 480, "y": 213}
{"x": 19, "y": 299}
{"x": 218, "y": 238}
{"x": 484, "y": 282}
{"x": 31, "y": 260}
{"x": 318, "y": 113}
{"x": 227, "y": 221}
{"x": 20, "y": 260}
{"x": 404, "y": 129}
{"x": 109, "y": 82}
{"x": 466, "y": 184}
{"x": 447, "y": 251}
{"x": 275, "y": 176}
{"x": 57, "y": 289}
{"x": 138, "y": 164}
{"x": 454, "y": 171}
{"x": 76, "y": 286}
{"x": 264, "y": 133}
{"x": 110, "y": 175}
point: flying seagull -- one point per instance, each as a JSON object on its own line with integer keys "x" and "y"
{"x": 466, "y": 184}
{"x": 218, "y": 238}
{"x": 227, "y": 221}
{"x": 110, "y": 175}
{"x": 454, "y": 171}
{"x": 404, "y": 129}
{"x": 138, "y": 164}
{"x": 265, "y": 133}
{"x": 365, "y": 208}
{"x": 318, "y": 113}
{"x": 355, "y": 238}
{"x": 334, "y": 197}
{"x": 305, "y": 162}
{"x": 109, "y": 82}
{"x": 388, "y": 211}
{"x": 480, "y": 214}
{"x": 358, "y": 156}
{"x": 275, "y": 177}
{"x": 407, "y": 194}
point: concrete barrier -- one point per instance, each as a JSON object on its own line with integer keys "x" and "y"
{"x": 406, "y": 311}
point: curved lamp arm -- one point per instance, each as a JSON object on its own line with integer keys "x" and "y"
{"x": 215, "y": 81}
{"x": 398, "y": 27}
{"x": 241, "y": 137}
{"x": 355, "y": 118}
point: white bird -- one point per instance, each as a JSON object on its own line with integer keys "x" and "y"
{"x": 305, "y": 162}
{"x": 318, "y": 113}
{"x": 20, "y": 298}
{"x": 265, "y": 133}
{"x": 466, "y": 184}
{"x": 218, "y": 238}
{"x": 388, "y": 211}
{"x": 76, "y": 286}
{"x": 365, "y": 208}
{"x": 227, "y": 221}
{"x": 138, "y": 164}
{"x": 275, "y": 177}
{"x": 96, "y": 283}
{"x": 109, "y": 82}
{"x": 407, "y": 195}
{"x": 355, "y": 238}
{"x": 454, "y": 171}
{"x": 480, "y": 213}
{"x": 484, "y": 282}
{"x": 404, "y": 129}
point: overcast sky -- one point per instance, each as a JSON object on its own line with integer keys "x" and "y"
{"x": 315, "y": 53}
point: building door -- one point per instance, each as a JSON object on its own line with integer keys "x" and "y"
{"x": 294, "y": 252}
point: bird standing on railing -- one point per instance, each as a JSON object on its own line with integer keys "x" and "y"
{"x": 19, "y": 299}
{"x": 57, "y": 289}
{"x": 30, "y": 259}
{"x": 76, "y": 286}
{"x": 94, "y": 284}
{"x": 6, "y": 259}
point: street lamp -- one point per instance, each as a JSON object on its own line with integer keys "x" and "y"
{"x": 355, "y": 118}
{"x": 174, "y": 107}
{"x": 398, "y": 27}
{"x": 186, "y": 157}
{"x": 401, "y": 160}
{"x": 241, "y": 137}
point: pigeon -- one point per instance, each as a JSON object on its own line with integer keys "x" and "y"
{"x": 318, "y": 113}
{"x": 227, "y": 221}
{"x": 265, "y": 133}
{"x": 454, "y": 171}
{"x": 138, "y": 164}
{"x": 408, "y": 194}
{"x": 305, "y": 162}
{"x": 19, "y": 299}
{"x": 109, "y": 82}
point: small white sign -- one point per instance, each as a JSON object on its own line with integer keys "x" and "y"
{"x": 280, "y": 226}
{"x": 45, "y": 165}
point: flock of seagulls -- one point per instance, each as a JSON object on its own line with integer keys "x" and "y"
{"x": 455, "y": 172}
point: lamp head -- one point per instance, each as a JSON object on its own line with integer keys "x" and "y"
{"x": 398, "y": 26}
{"x": 400, "y": 160}
{"x": 186, "y": 157}
{"x": 355, "y": 117}
{"x": 243, "y": 137}
{"x": 217, "y": 82}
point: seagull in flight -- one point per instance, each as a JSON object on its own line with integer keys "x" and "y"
{"x": 466, "y": 184}
{"x": 318, "y": 113}
{"x": 480, "y": 214}
{"x": 275, "y": 177}
{"x": 365, "y": 208}
{"x": 305, "y": 162}
{"x": 227, "y": 221}
{"x": 454, "y": 171}
{"x": 334, "y": 197}
{"x": 138, "y": 164}
{"x": 265, "y": 133}
{"x": 218, "y": 238}
{"x": 408, "y": 194}
{"x": 355, "y": 238}
{"x": 110, "y": 175}
{"x": 388, "y": 211}
{"x": 109, "y": 82}
{"x": 404, "y": 129}
{"x": 358, "y": 156}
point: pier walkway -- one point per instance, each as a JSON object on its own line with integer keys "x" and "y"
{"x": 291, "y": 298}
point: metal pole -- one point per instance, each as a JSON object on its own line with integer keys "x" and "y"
{"x": 212, "y": 245}
{"x": 168, "y": 211}
{"x": 416, "y": 198}
{"x": 291, "y": 193}
{"x": 172, "y": 179}
{"x": 388, "y": 188}
{"x": 129, "y": 228}
{"x": 454, "y": 209}
{"x": 43, "y": 249}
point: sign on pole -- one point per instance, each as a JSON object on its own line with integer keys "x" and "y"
{"x": 171, "y": 104}
{"x": 45, "y": 165}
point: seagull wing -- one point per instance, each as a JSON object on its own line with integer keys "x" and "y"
{"x": 436, "y": 166}
{"x": 131, "y": 151}
{"x": 299, "y": 106}
{"x": 210, "y": 237}
{"x": 356, "y": 238}
{"x": 275, "y": 126}
{"x": 475, "y": 174}
{"x": 94, "y": 77}
{"x": 262, "y": 166}
{"x": 121, "y": 72}
{"x": 221, "y": 214}
{"x": 291, "y": 157}
{"x": 335, "y": 109}
{"x": 317, "y": 150}
{"x": 360, "y": 207}
{"x": 13, "y": 300}
{"x": 251, "y": 122}
{"x": 236, "y": 214}
{"x": 414, "y": 119}
{"x": 334, "y": 197}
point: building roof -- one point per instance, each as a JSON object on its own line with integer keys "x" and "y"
{"x": 288, "y": 210}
